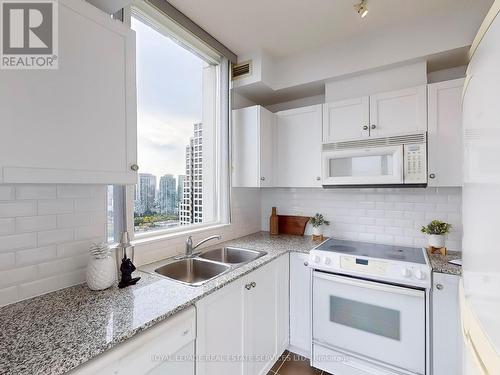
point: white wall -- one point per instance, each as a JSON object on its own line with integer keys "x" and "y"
{"x": 393, "y": 78}
{"x": 389, "y": 216}
{"x": 45, "y": 234}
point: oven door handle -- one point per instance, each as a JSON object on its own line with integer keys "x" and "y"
{"x": 371, "y": 285}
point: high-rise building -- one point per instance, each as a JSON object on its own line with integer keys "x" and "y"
{"x": 180, "y": 189}
{"x": 167, "y": 195}
{"x": 145, "y": 194}
{"x": 192, "y": 200}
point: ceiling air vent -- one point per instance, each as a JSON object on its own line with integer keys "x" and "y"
{"x": 241, "y": 70}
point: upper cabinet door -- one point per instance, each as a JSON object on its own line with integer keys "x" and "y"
{"x": 395, "y": 112}
{"x": 298, "y": 150}
{"x": 346, "y": 119}
{"x": 445, "y": 133}
{"x": 252, "y": 151}
{"x": 76, "y": 124}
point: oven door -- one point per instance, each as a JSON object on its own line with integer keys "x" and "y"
{"x": 368, "y": 166}
{"x": 380, "y": 322}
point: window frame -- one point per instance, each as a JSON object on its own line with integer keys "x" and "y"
{"x": 163, "y": 24}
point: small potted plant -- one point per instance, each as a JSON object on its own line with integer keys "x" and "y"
{"x": 436, "y": 231}
{"x": 317, "y": 221}
{"x": 101, "y": 270}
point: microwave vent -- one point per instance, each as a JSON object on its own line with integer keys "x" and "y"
{"x": 376, "y": 142}
{"x": 241, "y": 70}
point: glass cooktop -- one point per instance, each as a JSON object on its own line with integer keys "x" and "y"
{"x": 372, "y": 250}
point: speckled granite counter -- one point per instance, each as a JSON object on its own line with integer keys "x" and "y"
{"x": 56, "y": 332}
{"x": 439, "y": 263}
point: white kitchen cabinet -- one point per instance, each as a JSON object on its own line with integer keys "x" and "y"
{"x": 77, "y": 123}
{"x": 396, "y": 112}
{"x": 147, "y": 353}
{"x": 300, "y": 305}
{"x": 346, "y": 119}
{"x": 252, "y": 134}
{"x": 266, "y": 316}
{"x": 298, "y": 147}
{"x": 446, "y": 336}
{"x": 220, "y": 331}
{"x": 445, "y": 133}
{"x": 247, "y": 318}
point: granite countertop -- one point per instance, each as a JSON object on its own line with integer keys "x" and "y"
{"x": 439, "y": 263}
{"x": 56, "y": 332}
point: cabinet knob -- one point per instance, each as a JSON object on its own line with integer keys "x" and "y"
{"x": 318, "y": 178}
{"x": 134, "y": 167}
{"x": 365, "y": 127}
{"x": 439, "y": 286}
{"x": 373, "y": 126}
{"x": 432, "y": 175}
{"x": 263, "y": 179}
{"x": 248, "y": 286}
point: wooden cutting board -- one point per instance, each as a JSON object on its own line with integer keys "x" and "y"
{"x": 292, "y": 224}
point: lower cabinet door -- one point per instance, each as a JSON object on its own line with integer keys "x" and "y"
{"x": 266, "y": 319}
{"x": 219, "y": 340}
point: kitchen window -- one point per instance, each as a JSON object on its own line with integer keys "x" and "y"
{"x": 182, "y": 129}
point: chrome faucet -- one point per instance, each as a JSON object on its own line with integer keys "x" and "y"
{"x": 190, "y": 247}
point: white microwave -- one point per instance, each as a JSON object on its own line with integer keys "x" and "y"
{"x": 389, "y": 161}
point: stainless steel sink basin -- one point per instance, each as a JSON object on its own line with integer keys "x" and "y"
{"x": 192, "y": 271}
{"x": 232, "y": 255}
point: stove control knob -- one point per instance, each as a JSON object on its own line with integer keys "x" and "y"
{"x": 406, "y": 272}
{"x": 317, "y": 259}
{"x": 420, "y": 275}
{"x": 328, "y": 261}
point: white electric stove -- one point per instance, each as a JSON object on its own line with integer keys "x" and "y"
{"x": 393, "y": 264}
{"x": 370, "y": 308}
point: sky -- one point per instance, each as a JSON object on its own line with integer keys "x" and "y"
{"x": 169, "y": 102}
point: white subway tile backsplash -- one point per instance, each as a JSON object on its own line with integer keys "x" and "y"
{"x": 7, "y": 260}
{"x": 35, "y": 223}
{"x": 15, "y": 276}
{"x": 37, "y": 287}
{"x": 9, "y": 295}
{"x": 35, "y": 192}
{"x": 91, "y": 204}
{"x": 75, "y": 191}
{"x": 7, "y": 226}
{"x": 91, "y": 231}
{"x": 392, "y": 216}
{"x": 55, "y": 206}
{"x": 17, "y": 208}
{"x": 55, "y": 236}
{"x": 35, "y": 256}
{"x": 7, "y": 193}
{"x": 74, "y": 220}
{"x": 17, "y": 241}
{"x": 75, "y": 248}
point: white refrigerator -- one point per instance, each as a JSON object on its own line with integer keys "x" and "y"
{"x": 480, "y": 288}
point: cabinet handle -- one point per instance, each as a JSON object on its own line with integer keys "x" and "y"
{"x": 365, "y": 127}
{"x": 263, "y": 179}
{"x": 318, "y": 178}
{"x": 253, "y": 284}
{"x": 373, "y": 126}
{"x": 439, "y": 286}
{"x": 432, "y": 175}
{"x": 134, "y": 167}
{"x": 248, "y": 286}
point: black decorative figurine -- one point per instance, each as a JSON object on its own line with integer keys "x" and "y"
{"x": 126, "y": 268}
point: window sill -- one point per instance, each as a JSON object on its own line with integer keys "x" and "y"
{"x": 147, "y": 239}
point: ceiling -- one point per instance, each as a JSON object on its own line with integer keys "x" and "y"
{"x": 286, "y": 27}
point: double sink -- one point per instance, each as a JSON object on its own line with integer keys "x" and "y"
{"x": 196, "y": 271}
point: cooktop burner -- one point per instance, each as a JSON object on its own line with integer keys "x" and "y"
{"x": 371, "y": 250}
